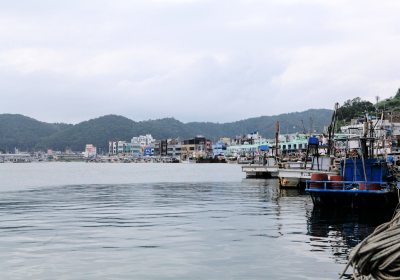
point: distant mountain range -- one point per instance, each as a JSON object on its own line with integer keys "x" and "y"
{"x": 24, "y": 133}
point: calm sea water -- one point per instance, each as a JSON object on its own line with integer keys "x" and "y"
{"x": 167, "y": 221}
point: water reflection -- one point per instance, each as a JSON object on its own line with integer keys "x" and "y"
{"x": 338, "y": 230}
{"x": 249, "y": 229}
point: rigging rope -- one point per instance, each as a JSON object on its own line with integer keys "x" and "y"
{"x": 378, "y": 256}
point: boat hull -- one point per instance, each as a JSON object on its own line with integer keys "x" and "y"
{"x": 291, "y": 178}
{"x": 364, "y": 199}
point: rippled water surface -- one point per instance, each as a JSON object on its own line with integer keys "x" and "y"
{"x": 167, "y": 221}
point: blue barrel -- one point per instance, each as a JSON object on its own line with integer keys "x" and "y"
{"x": 390, "y": 159}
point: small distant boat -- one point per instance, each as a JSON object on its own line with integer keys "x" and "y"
{"x": 208, "y": 159}
{"x": 204, "y": 159}
{"x": 245, "y": 160}
{"x": 172, "y": 160}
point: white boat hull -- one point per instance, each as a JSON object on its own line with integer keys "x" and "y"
{"x": 294, "y": 177}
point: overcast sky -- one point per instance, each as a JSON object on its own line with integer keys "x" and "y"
{"x": 218, "y": 61}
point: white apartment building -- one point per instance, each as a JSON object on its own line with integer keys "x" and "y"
{"x": 143, "y": 140}
{"x": 90, "y": 151}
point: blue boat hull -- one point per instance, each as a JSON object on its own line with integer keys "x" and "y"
{"x": 355, "y": 200}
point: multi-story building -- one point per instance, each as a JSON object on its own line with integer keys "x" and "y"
{"x": 143, "y": 140}
{"x": 68, "y": 157}
{"x": 90, "y": 151}
{"x": 113, "y": 147}
{"x": 225, "y": 140}
{"x": 156, "y": 151}
{"x": 122, "y": 147}
{"x": 219, "y": 149}
{"x": 251, "y": 138}
{"x": 163, "y": 147}
{"x": 174, "y": 148}
{"x": 199, "y": 145}
{"x": 148, "y": 150}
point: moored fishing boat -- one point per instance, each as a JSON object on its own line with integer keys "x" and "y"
{"x": 231, "y": 160}
{"x": 361, "y": 183}
{"x": 366, "y": 178}
{"x": 245, "y": 160}
{"x": 204, "y": 159}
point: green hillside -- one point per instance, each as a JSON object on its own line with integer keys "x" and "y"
{"x": 18, "y": 131}
{"x": 101, "y": 130}
{"x": 26, "y": 133}
{"x": 355, "y": 108}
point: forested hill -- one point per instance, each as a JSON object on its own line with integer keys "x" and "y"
{"x": 111, "y": 127}
{"x": 355, "y": 108}
{"x": 18, "y": 131}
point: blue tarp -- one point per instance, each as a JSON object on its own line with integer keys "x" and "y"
{"x": 374, "y": 169}
{"x": 264, "y": 147}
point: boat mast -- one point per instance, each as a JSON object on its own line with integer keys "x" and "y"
{"x": 276, "y": 140}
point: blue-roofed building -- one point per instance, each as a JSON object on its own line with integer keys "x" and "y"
{"x": 219, "y": 148}
{"x": 148, "y": 151}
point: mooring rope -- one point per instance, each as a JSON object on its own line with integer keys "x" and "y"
{"x": 377, "y": 257}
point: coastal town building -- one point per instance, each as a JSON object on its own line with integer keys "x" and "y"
{"x": 160, "y": 147}
{"x": 68, "y": 157}
{"x": 225, "y": 140}
{"x": 251, "y": 138}
{"x": 90, "y": 151}
{"x": 174, "y": 148}
{"x": 219, "y": 149}
{"x": 244, "y": 149}
{"x": 122, "y": 147}
{"x": 143, "y": 140}
{"x": 197, "y": 146}
{"x": 148, "y": 151}
{"x": 168, "y": 147}
{"x": 156, "y": 150}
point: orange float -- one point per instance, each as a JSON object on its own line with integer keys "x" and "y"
{"x": 336, "y": 186}
{"x": 371, "y": 186}
{"x": 318, "y": 177}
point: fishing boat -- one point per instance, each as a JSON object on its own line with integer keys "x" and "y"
{"x": 366, "y": 178}
{"x": 204, "y": 159}
{"x": 245, "y": 160}
{"x": 361, "y": 183}
{"x": 219, "y": 159}
{"x": 231, "y": 160}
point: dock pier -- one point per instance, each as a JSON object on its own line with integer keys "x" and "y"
{"x": 260, "y": 171}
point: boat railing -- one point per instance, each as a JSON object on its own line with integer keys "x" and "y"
{"x": 347, "y": 186}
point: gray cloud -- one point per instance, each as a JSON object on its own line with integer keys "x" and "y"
{"x": 193, "y": 60}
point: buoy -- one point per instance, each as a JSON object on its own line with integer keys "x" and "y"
{"x": 318, "y": 177}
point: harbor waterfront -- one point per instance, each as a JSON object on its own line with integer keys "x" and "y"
{"x": 164, "y": 221}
